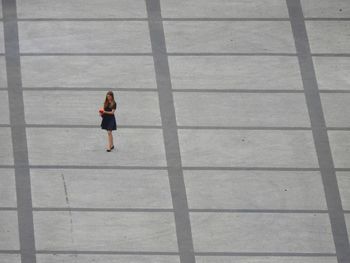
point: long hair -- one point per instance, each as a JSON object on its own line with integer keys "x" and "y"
{"x": 105, "y": 105}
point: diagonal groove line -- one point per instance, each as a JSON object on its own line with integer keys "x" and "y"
{"x": 171, "y": 141}
{"x": 18, "y": 133}
{"x": 319, "y": 131}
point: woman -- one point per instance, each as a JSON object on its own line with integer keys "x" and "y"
{"x": 108, "y": 119}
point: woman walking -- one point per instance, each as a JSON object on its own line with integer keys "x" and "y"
{"x": 108, "y": 119}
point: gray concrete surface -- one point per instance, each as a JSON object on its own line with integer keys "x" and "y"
{"x": 2, "y": 38}
{"x": 233, "y": 131}
{"x": 256, "y": 190}
{"x": 326, "y": 9}
{"x": 106, "y": 188}
{"x": 235, "y": 72}
{"x": 81, "y": 9}
{"x": 4, "y": 107}
{"x": 3, "y": 80}
{"x": 83, "y": 36}
{"x": 228, "y": 36}
{"x": 331, "y": 72}
{"x": 224, "y": 9}
{"x": 58, "y": 109}
{"x": 93, "y": 72}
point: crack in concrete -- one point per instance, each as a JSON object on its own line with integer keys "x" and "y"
{"x": 69, "y": 208}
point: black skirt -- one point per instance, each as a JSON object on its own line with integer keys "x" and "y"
{"x": 108, "y": 122}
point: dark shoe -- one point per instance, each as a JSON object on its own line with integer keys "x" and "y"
{"x": 108, "y": 150}
{"x": 112, "y": 147}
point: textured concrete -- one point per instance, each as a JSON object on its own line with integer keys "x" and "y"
{"x": 325, "y": 8}
{"x": 246, "y": 109}
{"x": 257, "y": 259}
{"x": 329, "y": 36}
{"x": 340, "y": 143}
{"x": 4, "y": 108}
{"x": 237, "y": 232}
{"x": 58, "y": 107}
{"x": 224, "y": 151}
{"x": 247, "y": 148}
{"x": 319, "y": 131}
{"x": 81, "y": 146}
{"x": 106, "y": 188}
{"x": 81, "y": 9}
{"x": 6, "y": 155}
{"x": 87, "y": 36}
{"x": 254, "y": 190}
{"x": 224, "y": 9}
{"x": 9, "y": 230}
{"x": 10, "y": 258}
{"x": 105, "y": 231}
{"x": 332, "y": 72}
{"x": 235, "y": 72}
{"x": 96, "y": 71}
{"x": 7, "y": 188}
{"x": 2, "y": 48}
{"x": 110, "y": 258}
{"x": 336, "y": 109}
{"x": 344, "y": 188}
{"x": 231, "y": 36}
{"x": 3, "y": 79}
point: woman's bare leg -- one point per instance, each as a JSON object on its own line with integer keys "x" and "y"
{"x": 110, "y": 139}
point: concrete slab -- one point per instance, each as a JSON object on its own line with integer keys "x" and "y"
{"x": 328, "y": 36}
{"x": 9, "y": 230}
{"x": 325, "y": 8}
{"x": 4, "y": 107}
{"x": 79, "y": 258}
{"x": 241, "y": 109}
{"x": 247, "y": 148}
{"x": 3, "y": 77}
{"x": 81, "y": 9}
{"x": 340, "y": 145}
{"x": 336, "y": 109}
{"x": 92, "y": 71}
{"x": 347, "y": 219}
{"x": 133, "y": 108}
{"x": 7, "y": 188}
{"x": 237, "y": 232}
{"x": 86, "y": 147}
{"x": 105, "y": 231}
{"x": 244, "y": 49}
{"x": 224, "y": 9}
{"x": 344, "y": 188}
{"x": 84, "y": 36}
{"x": 229, "y": 36}
{"x": 235, "y": 72}
{"x": 2, "y": 43}
{"x": 6, "y": 154}
{"x": 106, "y": 188}
{"x": 254, "y": 190}
{"x": 261, "y": 259}
{"x": 10, "y": 258}
{"x": 332, "y": 72}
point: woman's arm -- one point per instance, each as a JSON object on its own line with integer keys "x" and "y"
{"x": 109, "y": 112}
